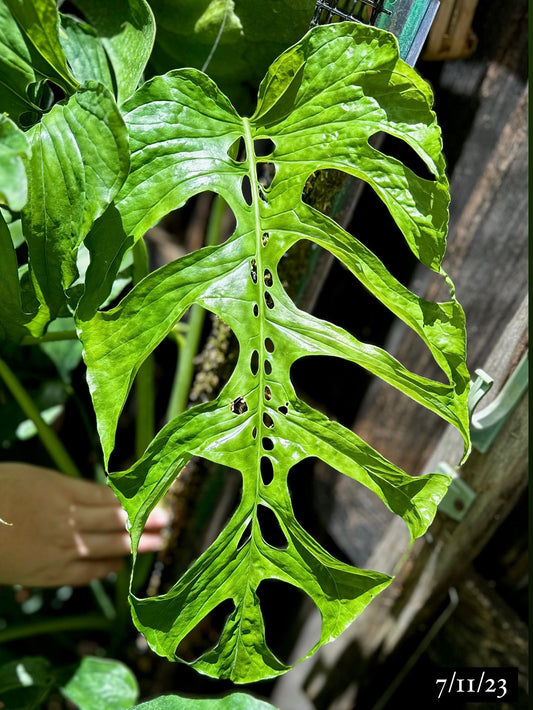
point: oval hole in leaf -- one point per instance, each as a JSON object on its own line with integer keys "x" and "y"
{"x": 269, "y": 300}
{"x": 271, "y": 531}
{"x": 265, "y": 238}
{"x": 237, "y": 150}
{"x": 267, "y": 470}
{"x": 254, "y": 362}
{"x": 206, "y": 634}
{"x": 402, "y": 151}
{"x": 268, "y": 278}
{"x": 268, "y": 367}
{"x": 268, "y": 421}
{"x": 284, "y": 409}
{"x": 256, "y": 310}
{"x": 269, "y": 345}
{"x": 267, "y": 443}
{"x": 268, "y": 393}
{"x": 254, "y": 433}
{"x": 285, "y": 610}
{"x": 253, "y": 270}
{"x": 246, "y": 189}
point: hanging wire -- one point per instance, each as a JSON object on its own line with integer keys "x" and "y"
{"x": 367, "y": 11}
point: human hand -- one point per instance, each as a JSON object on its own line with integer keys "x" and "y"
{"x": 63, "y": 530}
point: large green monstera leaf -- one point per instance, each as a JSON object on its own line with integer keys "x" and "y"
{"x": 319, "y": 104}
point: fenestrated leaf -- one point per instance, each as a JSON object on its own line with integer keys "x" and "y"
{"x": 320, "y": 103}
{"x": 126, "y": 30}
{"x": 79, "y": 161}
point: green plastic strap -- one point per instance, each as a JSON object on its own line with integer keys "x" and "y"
{"x": 486, "y": 424}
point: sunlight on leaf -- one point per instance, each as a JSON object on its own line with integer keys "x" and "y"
{"x": 318, "y": 105}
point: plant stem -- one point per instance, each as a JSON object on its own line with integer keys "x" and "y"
{"x": 52, "y": 626}
{"x": 144, "y": 381}
{"x": 49, "y": 438}
{"x": 179, "y": 395}
{"x": 51, "y": 337}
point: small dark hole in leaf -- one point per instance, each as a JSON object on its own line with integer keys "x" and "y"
{"x": 245, "y": 537}
{"x": 265, "y": 238}
{"x": 267, "y": 443}
{"x": 269, "y": 345}
{"x": 237, "y": 150}
{"x": 268, "y": 393}
{"x": 284, "y": 409}
{"x": 253, "y": 270}
{"x": 267, "y": 420}
{"x": 254, "y": 432}
{"x": 263, "y": 147}
{"x": 256, "y": 310}
{"x": 268, "y": 367}
{"x": 265, "y": 173}
{"x": 254, "y": 362}
{"x": 399, "y": 149}
{"x": 271, "y": 530}
{"x": 206, "y": 634}
{"x": 262, "y": 195}
{"x": 285, "y": 610}
{"x": 246, "y": 189}
{"x": 267, "y": 470}
{"x": 239, "y": 406}
{"x": 268, "y": 277}
{"x": 269, "y": 300}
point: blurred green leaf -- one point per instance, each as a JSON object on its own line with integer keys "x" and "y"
{"x": 252, "y": 34}
{"x": 102, "y": 684}
{"x": 234, "y": 701}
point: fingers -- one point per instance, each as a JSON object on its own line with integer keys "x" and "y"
{"x": 97, "y": 518}
{"x": 82, "y": 572}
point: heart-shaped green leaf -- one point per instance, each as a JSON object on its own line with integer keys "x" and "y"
{"x": 319, "y": 104}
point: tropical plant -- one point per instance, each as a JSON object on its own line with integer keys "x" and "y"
{"x": 106, "y": 163}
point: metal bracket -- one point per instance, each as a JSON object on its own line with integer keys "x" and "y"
{"x": 486, "y": 424}
{"x": 459, "y": 496}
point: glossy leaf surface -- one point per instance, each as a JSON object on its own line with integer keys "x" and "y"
{"x": 79, "y": 160}
{"x": 126, "y": 31}
{"x": 40, "y": 21}
{"x": 320, "y": 103}
{"x": 13, "y": 183}
{"x": 235, "y": 701}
